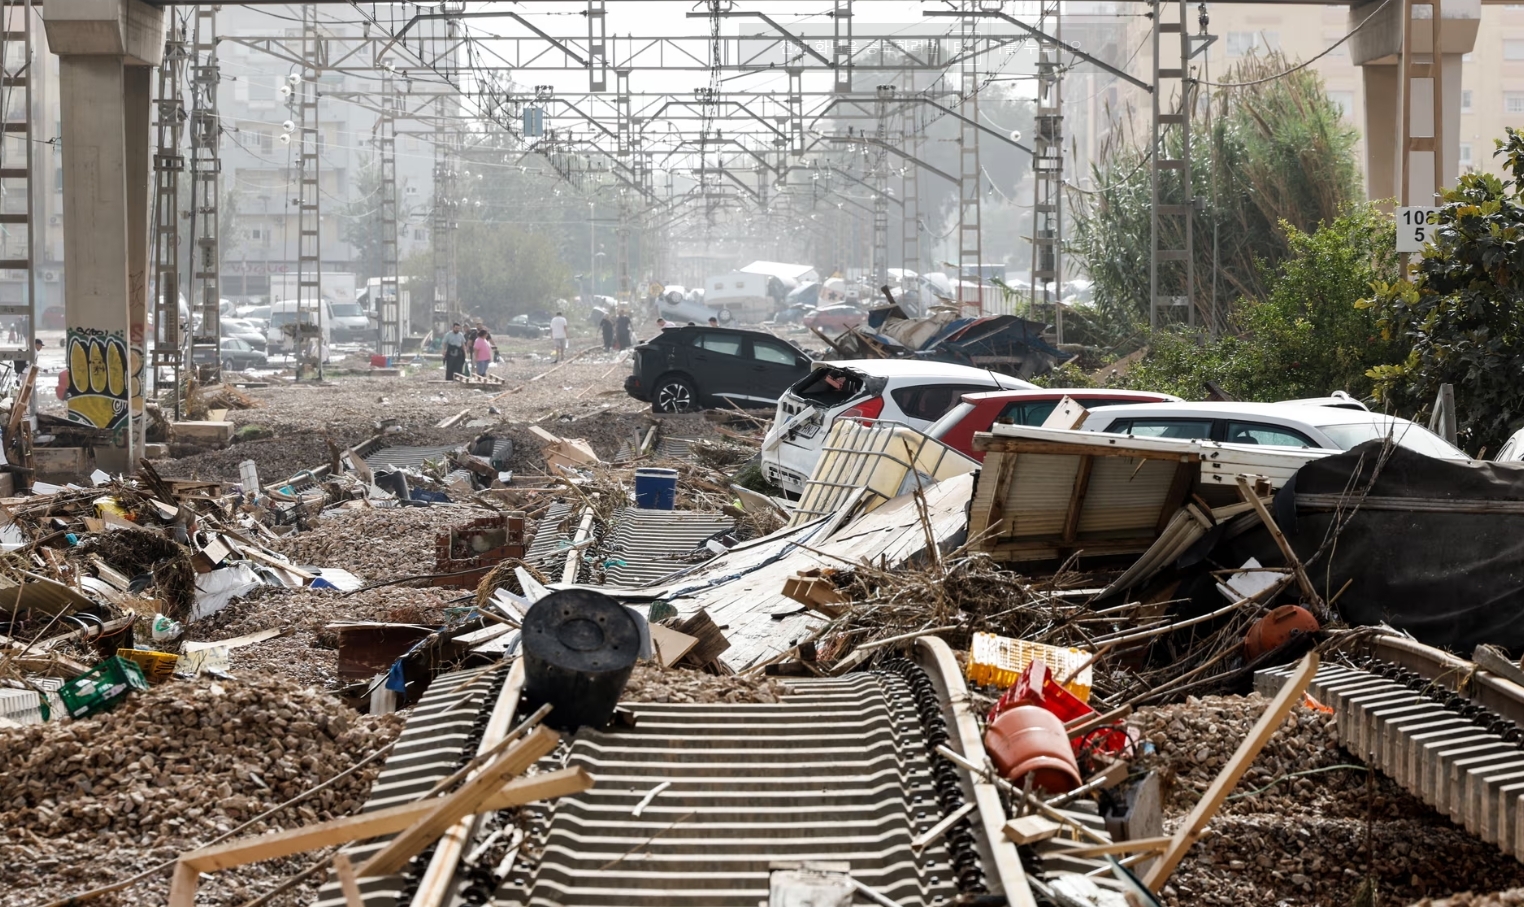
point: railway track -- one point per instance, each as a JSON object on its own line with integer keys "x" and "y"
{"x": 843, "y": 770}
{"x": 1435, "y": 724}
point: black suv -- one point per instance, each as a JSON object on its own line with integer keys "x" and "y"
{"x": 681, "y": 369}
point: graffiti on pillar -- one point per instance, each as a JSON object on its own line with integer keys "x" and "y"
{"x": 101, "y": 370}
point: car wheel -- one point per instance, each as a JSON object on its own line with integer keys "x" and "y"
{"x": 725, "y": 316}
{"x": 227, "y": 365}
{"x": 674, "y": 394}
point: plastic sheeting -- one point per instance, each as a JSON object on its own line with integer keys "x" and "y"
{"x": 1434, "y": 548}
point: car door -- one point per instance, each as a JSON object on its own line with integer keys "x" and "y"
{"x": 774, "y": 367}
{"x": 718, "y": 364}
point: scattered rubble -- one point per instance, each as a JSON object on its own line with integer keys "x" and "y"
{"x": 651, "y": 683}
{"x": 89, "y": 801}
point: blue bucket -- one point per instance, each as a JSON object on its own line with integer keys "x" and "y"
{"x": 655, "y": 488}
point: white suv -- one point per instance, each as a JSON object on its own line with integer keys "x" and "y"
{"x": 907, "y": 391}
{"x": 1291, "y": 424}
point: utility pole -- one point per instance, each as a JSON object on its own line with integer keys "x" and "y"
{"x": 1048, "y": 170}
{"x": 445, "y": 217}
{"x": 206, "y": 183}
{"x": 309, "y": 240}
{"x": 168, "y": 162}
{"x": 970, "y": 176}
{"x": 1171, "y": 264}
{"x": 388, "y": 301}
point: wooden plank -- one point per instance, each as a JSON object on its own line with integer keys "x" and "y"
{"x": 467, "y": 799}
{"x": 1099, "y": 850}
{"x": 1251, "y": 496}
{"x": 1077, "y": 497}
{"x": 345, "y": 870}
{"x": 1030, "y": 829}
{"x": 365, "y": 826}
{"x": 1068, "y": 415}
{"x": 1290, "y": 694}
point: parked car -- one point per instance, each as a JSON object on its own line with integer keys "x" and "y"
{"x": 521, "y": 326}
{"x": 681, "y": 306}
{"x": 279, "y": 340}
{"x": 835, "y": 318}
{"x": 1273, "y": 424}
{"x": 684, "y": 368}
{"x": 53, "y": 318}
{"x": 259, "y": 315}
{"x": 234, "y": 355}
{"x": 979, "y": 411}
{"x": 243, "y": 330}
{"x": 912, "y": 392}
{"x": 349, "y": 323}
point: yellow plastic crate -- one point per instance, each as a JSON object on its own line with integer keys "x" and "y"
{"x": 157, "y": 666}
{"x": 998, "y": 661}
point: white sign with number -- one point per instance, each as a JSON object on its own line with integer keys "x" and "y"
{"x": 1415, "y": 226}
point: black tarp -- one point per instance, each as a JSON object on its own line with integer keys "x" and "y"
{"x": 1435, "y": 549}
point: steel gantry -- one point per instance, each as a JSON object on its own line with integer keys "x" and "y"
{"x": 168, "y": 164}
{"x": 206, "y": 185}
{"x": 309, "y": 322}
{"x": 389, "y": 298}
{"x": 18, "y": 192}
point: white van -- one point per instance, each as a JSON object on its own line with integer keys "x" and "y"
{"x": 284, "y": 313}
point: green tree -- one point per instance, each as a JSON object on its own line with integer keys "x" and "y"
{"x": 501, "y": 271}
{"x": 1462, "y": 312}
{"x": 360, "y": 221}
{"x": 1307, "y": 336}
{"x": 1264, "y": 155}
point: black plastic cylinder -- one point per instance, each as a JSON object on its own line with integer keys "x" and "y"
{"x": 579, "y": 649}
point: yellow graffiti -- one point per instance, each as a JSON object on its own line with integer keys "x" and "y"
{"x": 116, "y": 371}
{"x": 99, "y": 378}
{"x": 79, "y": 366}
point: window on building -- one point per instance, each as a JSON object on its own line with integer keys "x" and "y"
{"x": 256, "y": 233}
{"x": 1342, "y": 49}
{"x": 1465, "y": 157}
{"x": 420, "y": 234}
{"x": 1243, "y": 43}
{"x": 261, "y": 90}
{"x": 58, "y": 180}
{"x": 1513, "y": 49}
{"x": 265, "y": 139}
{"x": 1513, "y": 102}
{"x": 1465, "y": 100}
{"x": 1345, "y": 101}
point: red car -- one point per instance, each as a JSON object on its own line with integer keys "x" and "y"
{"x": 979, "y": 411}
{"x": 835, "y": 318}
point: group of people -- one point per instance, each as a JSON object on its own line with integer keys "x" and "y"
{"x": 474, "y": 343}
{"x": 617, "y": 332}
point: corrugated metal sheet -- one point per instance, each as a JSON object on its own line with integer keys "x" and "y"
{"x": 675, "y": 449}
{"x": 1125, "y": 495}
{"x": 652, "y": 544}
{"x": 408, "y": 457}
{"x": 1037, "y": 498}
{"x": 551, "y": 536}
{"x": 743, "y": 589}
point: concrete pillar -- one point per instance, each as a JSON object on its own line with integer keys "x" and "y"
{"x": 106, "y": 49}
{"x": 1377, "y": 49}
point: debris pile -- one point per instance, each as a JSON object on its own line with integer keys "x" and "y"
{"x": 171, "y": 768}
{"x": 651, "y": 683}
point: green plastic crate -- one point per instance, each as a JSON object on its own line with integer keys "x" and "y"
{"x": 101, "y": 687}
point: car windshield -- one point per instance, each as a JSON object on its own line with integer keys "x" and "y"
{"x": 1410, "y": 435}
{"x": 347, "y": 310}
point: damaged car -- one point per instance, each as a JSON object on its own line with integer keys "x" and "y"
{"x": 911, "y": 392}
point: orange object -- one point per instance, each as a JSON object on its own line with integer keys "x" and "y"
{"x": 1315, "y": 705}
{"x": 1029, "y": 738}
{"x": 1277, "y": 628}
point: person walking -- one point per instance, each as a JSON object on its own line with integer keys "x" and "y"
{"x": 454, "y": 352}
{"x": 558, "y": 334}
{"x": 483, "y": 349}
{"x": 622, "y": 330}
{"x": 606, "y": 325}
